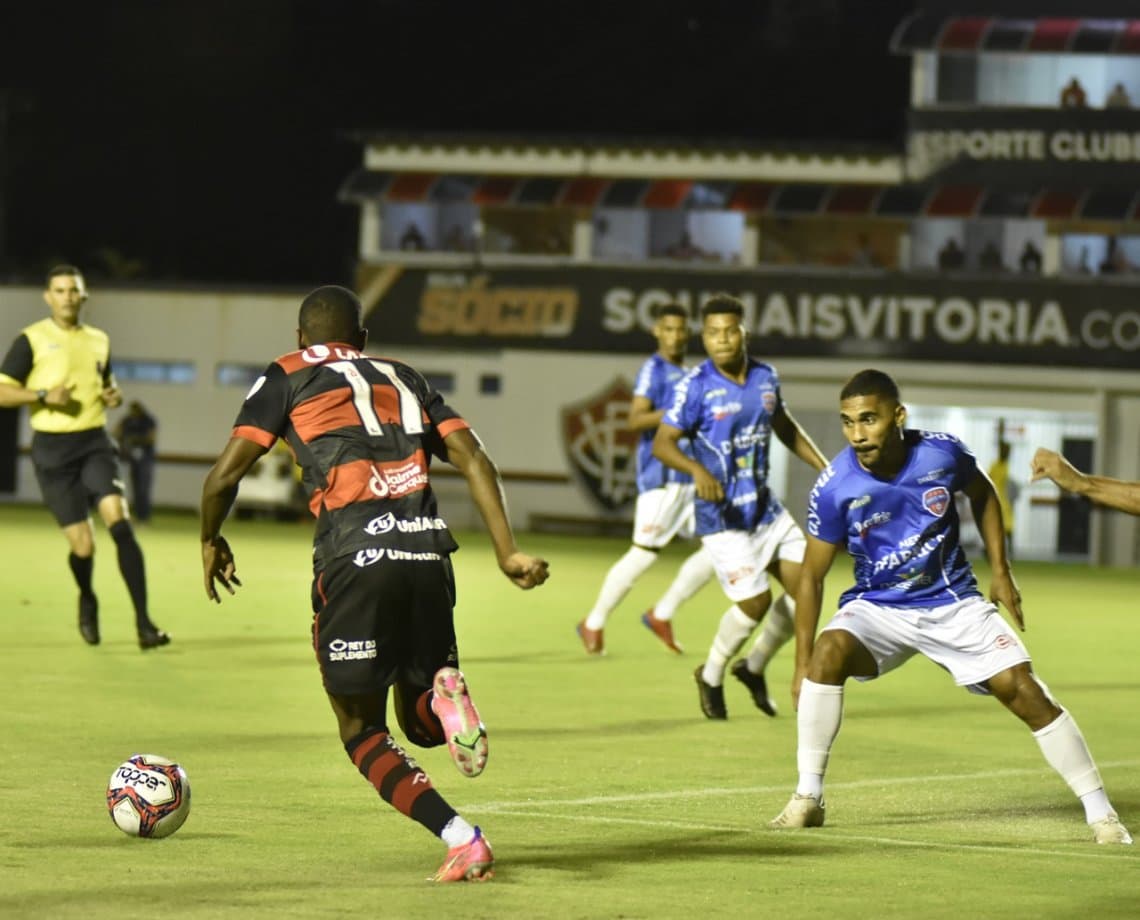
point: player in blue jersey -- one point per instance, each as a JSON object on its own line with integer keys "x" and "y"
{"x": 729, "y": 406}
{"x": 889, "y": 499}
{"x": 664, "y": 497}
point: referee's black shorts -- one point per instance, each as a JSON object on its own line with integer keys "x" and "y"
{"x": 382, "y": 623}
{"x": 75, "y": 469}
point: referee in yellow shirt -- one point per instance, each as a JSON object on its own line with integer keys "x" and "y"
{"x": 61, "y": 369}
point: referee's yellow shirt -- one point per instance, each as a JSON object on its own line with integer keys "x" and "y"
{"x": 78, "y": 357}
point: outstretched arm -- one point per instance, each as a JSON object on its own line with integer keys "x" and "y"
{"x": 987, "y": 513}
{"x": 218, "y": 494}
{"x": 793, "y": 437}
{"x": 465, "y": 452}
{"x": 809, "y": 599}
{"x": 1115, "y": 493}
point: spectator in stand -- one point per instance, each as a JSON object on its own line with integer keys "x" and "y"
{"x": 990, "y": 258}
{"x": 1073, "y": 95}
{"x": 864, "y": 256}
{"x": 1114, "y": 262}
{"x": 1030, "y": 261}
{"x": 685, "y": 248}
{"x": 1118, "y": 98}
{"x": 951, "y": 257}
{"x": 413, "y": 239}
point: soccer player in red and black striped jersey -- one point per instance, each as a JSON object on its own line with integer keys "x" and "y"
{"x": 364, "y": 431}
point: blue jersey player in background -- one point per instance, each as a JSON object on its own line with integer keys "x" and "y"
{"x": 729, "y": 407}
{"x": 888, "y": 498}
{"x": 664, "y": 497}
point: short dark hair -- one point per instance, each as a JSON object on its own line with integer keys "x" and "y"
{"x": 56, "y": 270}
{"x": 870, "y": 382}
{"x": 671, "y": 309}
{"x": 330, "y": 314}
{"x": 722, "y": 303}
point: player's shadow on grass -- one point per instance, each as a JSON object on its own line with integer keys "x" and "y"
{"x": 682, "y": 849}
{"x": 593, "y": 730}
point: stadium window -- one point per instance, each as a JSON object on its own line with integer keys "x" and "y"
{"x": 179, "y": 373}
{"x": 528, "y": 231}
{"x": 621, "y": 234}
{"x": 490, "y": 384}
{"x": 446, "y": 226}
{"x": 237, "y": 375}
{"x": 443, "y": 381}
{"x": 697, "y": 235}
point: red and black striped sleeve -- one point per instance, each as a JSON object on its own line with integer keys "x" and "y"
{"x": 265, "y": 412}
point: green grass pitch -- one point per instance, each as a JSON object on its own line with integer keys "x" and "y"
{"x": 607, "y": 794}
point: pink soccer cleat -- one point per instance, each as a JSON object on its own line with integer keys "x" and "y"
{"x": 472, "y": 862}
{"x": 466, "y": 736}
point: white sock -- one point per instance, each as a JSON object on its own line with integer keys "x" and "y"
{"x": 1066, "y": 752}
{"x": 817, "y": 724}
{"x": 619, "y": 579}
{"x": 693, "y": 575}
{"x": 779, "y": 626}
{"x": 735, "y": 628}
{"x": 456, "y": 832}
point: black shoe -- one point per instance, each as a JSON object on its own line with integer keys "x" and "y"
{"x": 89, "y": 618}
{"x": 756, "y": 685}
{"x": 712, "y": 698}
{"x": 152, "y": 637}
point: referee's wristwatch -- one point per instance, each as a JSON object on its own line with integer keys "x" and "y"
{"x": 41, "y": 397}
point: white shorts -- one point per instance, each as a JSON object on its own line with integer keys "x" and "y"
{"x": 968, "y": 638}
{"x": 741, "y": 558}
{"x": 663, "y": 514}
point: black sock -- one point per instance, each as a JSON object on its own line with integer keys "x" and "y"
{"x": 133, "y": 569}
{"x": 81, "y": 568}
{"x": 399, "y": 780}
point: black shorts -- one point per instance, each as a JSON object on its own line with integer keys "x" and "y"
{"x": 75, "y": 470}
{"x": 382, "y": 623}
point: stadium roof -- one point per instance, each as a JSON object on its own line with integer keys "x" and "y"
{"x": 789, "y": 199}
{"x": 928, "y": 31}
{"x": 644, "y": 158}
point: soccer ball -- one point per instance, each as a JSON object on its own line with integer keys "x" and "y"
{"x": 148, "y": 796}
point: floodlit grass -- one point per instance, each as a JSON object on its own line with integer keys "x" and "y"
{"x": 607, "y": 793}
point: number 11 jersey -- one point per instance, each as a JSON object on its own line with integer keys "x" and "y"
{"x": 364, "y": 431}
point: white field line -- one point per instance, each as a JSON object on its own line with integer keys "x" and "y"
{"x": 713, "y": 792}
{"x": 1097, "y": 853}
{"x": 527, "y": 808}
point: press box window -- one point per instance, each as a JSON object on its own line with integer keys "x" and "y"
{"x": 179, "y": 373}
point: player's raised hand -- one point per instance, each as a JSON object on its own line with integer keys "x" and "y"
{"x": 524, "y": 570}
{"x": 1004, "y": 591}
{"x": 218, "y": 565}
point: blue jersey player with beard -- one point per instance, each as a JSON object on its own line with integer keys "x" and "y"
{"x": 888, "y": 498}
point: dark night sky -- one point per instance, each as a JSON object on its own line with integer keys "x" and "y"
{"x": 206, "y": 142}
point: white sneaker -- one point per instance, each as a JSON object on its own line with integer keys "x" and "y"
{"x": 801, "y": 811}
{"x": 1109, "y": 830}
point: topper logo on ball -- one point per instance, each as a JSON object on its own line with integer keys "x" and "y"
{"x": 599, "y": 445}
